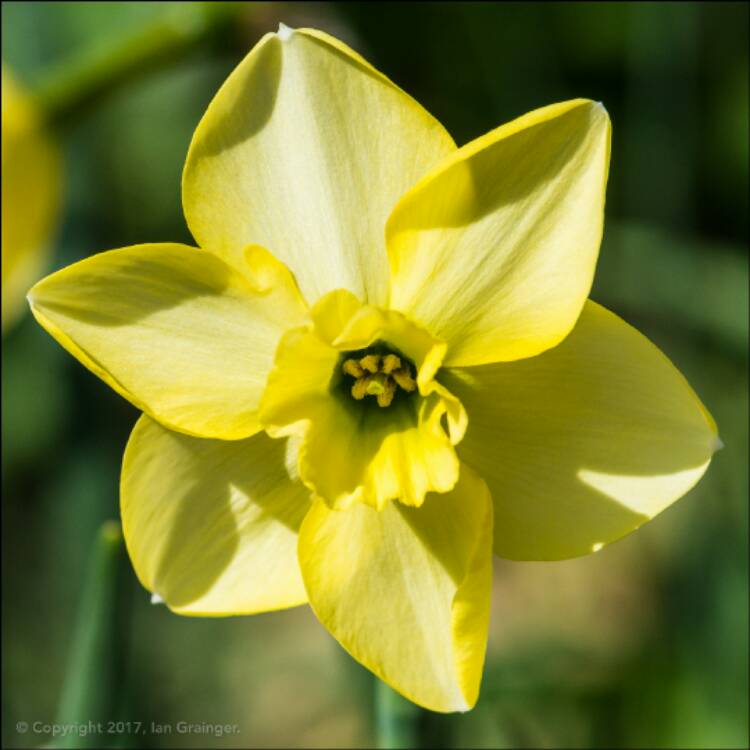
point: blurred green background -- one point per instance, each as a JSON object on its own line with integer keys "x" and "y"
{"x": 644, "y": 644}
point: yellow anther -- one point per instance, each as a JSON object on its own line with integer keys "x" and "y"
{"x": 359, "y": 389}
{"x": 404, "y": 379}
{"x": 390, "y": 363}
{"x": 353, "y": 368}
{"x": 371, "y": 363}
{"x": 389, "y": 391}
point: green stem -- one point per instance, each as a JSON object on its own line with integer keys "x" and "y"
{"x": 84, "y": 82}
{"x": 92, "y": 690}
{"x": 396, "y": 719}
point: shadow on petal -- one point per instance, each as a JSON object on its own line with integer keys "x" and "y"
{"x": 500, "y": 173}
{"x": 211, "y": 525}
{"x": 235, "y": 117}
{"x": 584, "y": 443}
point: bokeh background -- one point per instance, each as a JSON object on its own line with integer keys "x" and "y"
{"x": 644, "y": 644}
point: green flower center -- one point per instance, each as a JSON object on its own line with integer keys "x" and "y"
{"x": 381, "y": 374}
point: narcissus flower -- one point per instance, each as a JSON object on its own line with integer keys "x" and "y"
{"x": 31, "y": 196}
{"x": 380, "y": 366}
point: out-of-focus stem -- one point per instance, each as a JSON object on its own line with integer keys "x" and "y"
{"x": 92, "y": 690}
{"x": 396, "y": 719}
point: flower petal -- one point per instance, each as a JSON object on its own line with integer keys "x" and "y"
{"x": 494, "y": 251}
{"x": 305, "y": 150}
{"x": 584, "y": 443}
{"x": 406, "y": 591}
{"x": 30, "y": 196}
{"x": 211, "y": 525}
{"x": 175, "y": 330}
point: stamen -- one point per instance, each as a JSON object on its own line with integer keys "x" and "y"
{"x": 389, "y": 391}
{"x": 390, "y": 363}
{"x": 404, "y": 379}
{"x": 359, "y": 389}
{"x": 353, "y": 368}
{"x": 380, "y": 376}
{"x": 371, "y": 363}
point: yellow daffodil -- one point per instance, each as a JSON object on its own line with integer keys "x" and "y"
{"x": 31, "y": 195}
{"x": 380, "y": 366}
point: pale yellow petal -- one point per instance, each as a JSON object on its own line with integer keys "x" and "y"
{"x": 175, "y": 330}
{"x": 494, "y": 251}
{"x": 211, "y": 525}
{"x": 406, "y": 591}
{"x": 305, "y": 150}
{"x": 584, "y": 443}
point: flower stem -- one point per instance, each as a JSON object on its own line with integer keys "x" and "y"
{"x": 80, "y": 85}
{"x": 396, "y": 719}
{"x": 92, "y": 689}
